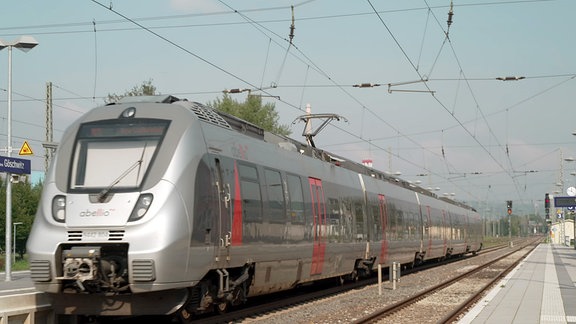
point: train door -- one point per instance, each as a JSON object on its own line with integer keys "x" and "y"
{"x": 383, "y": 228}
{"x": 225, "y": 214}
{"x": 318, "y": 225}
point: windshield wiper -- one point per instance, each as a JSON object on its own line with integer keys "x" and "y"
{"x": 104, "y": 193}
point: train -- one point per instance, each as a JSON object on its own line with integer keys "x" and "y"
{"x": 157, "y": 205}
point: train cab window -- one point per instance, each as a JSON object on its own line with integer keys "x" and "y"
{"x": 275, "y": 191}
{"x": 296, "y": 196}
{"x": 115, "y": 154}
{"x": 251, "y": 196}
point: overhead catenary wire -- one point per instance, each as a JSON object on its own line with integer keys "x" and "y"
{"x": 479, "y": 110}
{"x": 95, "y": 60}
{"x": 437, "y": 100}
{"x": 363, "y": 107}
{"x": 18, "y": 29}
{"x": 326, "y": 75}
{"x": 176, "y": 45}
{"x": 423, "y": 38}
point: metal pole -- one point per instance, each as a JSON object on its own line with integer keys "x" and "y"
{"x": 510, "y": 229}
{"x": 14, "y": 244}
{"x": 563, "y": 230}
{"x": 14, "y": 236}
{"x": 25, "y": 43}
{"x": 379, "y": 279}
{"x": 8, "y": 174}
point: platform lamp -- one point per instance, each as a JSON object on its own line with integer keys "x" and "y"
{"x": 24, "y": 43}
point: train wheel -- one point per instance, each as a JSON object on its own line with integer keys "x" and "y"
{"x": 222, "y": 307}
{"x": 353, "y": 276}
{"x": 238, "y": 297}
{"x": 184, "y": 316}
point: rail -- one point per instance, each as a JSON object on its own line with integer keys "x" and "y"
{"x": 397, "y": 307}
{"x": 36, "y": 307}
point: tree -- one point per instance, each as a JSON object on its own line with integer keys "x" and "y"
{"x": 144, "y": 89}
{"x": 25, "y": 199}
{"x": 253, "y": 111}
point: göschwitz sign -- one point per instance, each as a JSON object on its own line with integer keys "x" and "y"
{"x": 14, "y": 165}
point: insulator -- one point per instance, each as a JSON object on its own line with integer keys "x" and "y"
{"x": 450, "y": 14}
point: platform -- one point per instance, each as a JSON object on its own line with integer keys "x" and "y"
{"x": 541, "y": 289}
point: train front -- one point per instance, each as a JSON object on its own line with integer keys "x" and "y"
{"x": 112, "y": 231}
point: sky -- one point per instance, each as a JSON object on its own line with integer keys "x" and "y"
{"x": 439, "y": 116}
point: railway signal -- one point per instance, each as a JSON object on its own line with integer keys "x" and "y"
{"x": 547, "y": 205}
{"x": 509, "y": 206}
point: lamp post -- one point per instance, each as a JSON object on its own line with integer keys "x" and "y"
{"x": 24, "y": 43}
{"x": 14, "y": 234}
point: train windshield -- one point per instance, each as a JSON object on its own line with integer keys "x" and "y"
{"x": 115, "y": 154}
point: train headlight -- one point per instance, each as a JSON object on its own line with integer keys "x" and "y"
{"x": 141, "y": 207}
{"x": 59, "y": 208}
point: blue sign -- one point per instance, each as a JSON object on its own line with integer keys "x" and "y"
{"x": 14, "y": 165}
{"x": 569, "y": 201}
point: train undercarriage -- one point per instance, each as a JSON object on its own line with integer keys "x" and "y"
{"x": 225, "y": 288}
{"x": 89, "y": 270}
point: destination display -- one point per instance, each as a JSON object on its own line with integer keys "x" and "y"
{"x": 565, "y": 201}
{"x": 14, "y": 165}
{"x": 143, "y": 127}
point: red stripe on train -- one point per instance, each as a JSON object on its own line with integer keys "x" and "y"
{"x": 237, "y": 213}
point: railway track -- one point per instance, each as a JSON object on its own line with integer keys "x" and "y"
{"x": 260, "y": 310}
{"x": 266, "y": 308}
{"x": 447, "y": 301}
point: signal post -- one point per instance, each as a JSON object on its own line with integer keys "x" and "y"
{"x": 509, "y": 208}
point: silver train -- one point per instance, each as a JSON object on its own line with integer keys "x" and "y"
{"x": 156, "y": 205}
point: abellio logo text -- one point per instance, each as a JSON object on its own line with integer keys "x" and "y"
{"x": 96, "y": 213}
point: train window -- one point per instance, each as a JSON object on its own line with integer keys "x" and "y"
{"x": 394, "y": 223}
{"x": 248, "y": 172}
{"x": 377, "y": 222}
{"x": 276, "y": 204}
{"x": 334, "y": 229}
{"x": 382, "y": 218}
{"x": 436, "y": 224}
{"x": 346, "y": 220}
{"x": 412, "y": 224}
{"x": 333, "y": 211}
{"x": 296, "y": 206}
{"x": 250, "y": 189}
{"x": 359, "y": 213}
{"x": 124, "y": 151}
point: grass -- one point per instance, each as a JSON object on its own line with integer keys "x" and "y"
{"x": 20, "y": 264}
{"x": 490, "y": 241}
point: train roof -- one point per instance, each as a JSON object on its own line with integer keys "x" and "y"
{"x": 221, "y": 119}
